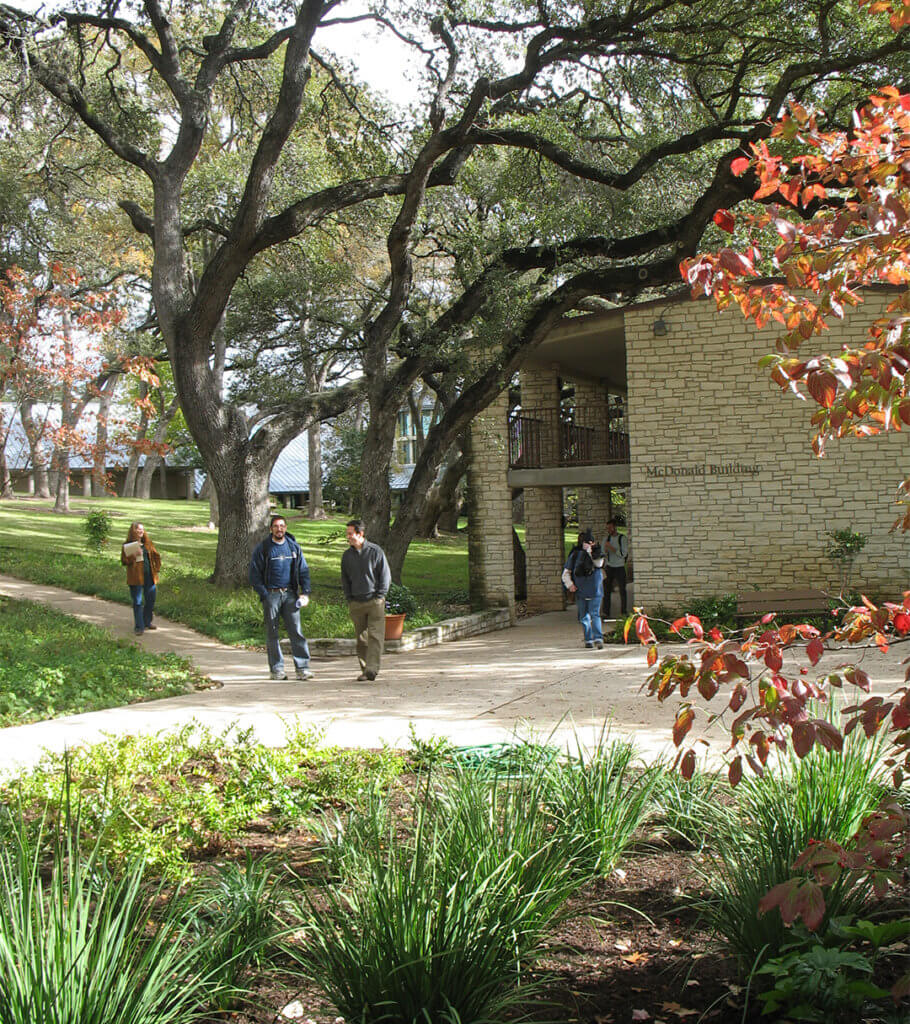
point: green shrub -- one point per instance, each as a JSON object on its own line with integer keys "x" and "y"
{"x": 97, "y": 527}
{"x": 814, "y": 982}
{"x": 399, "y": 600}
{"x": 172, "y": 795}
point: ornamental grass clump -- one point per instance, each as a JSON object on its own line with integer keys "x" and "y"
{"x": 437, "y": 922}
{"x": 601, "y": 801}
{"x": 235, "y": 921}
{"x": 824, "y": 796}
{"x": 687, "y": 811}
{"x": 81, "y": 944}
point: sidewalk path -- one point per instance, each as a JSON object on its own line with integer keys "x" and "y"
{"x": 533, "y": 679}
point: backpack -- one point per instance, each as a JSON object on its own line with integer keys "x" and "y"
{"x": 583, "y": 564}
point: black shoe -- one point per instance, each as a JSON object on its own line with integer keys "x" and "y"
{"x": 138, "y": 632}
{"x": 589, "y": 646}
{"x": 370, "y": 676}
{"x": 599, "y": 644}
{"x": 150, "y": 626}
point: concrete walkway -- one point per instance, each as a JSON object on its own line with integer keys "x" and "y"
{"x": 533, "y": 680}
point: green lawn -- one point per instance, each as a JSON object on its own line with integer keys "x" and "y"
{"x": 39, "y": 545}
{"x": 52, "y": 665}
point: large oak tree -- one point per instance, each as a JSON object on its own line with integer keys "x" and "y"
{"x": 582, "y": 148}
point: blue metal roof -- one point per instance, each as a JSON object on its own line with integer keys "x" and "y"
{"x": 291, "y": 472}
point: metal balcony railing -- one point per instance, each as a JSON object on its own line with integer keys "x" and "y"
{"x": 547, "y": 438}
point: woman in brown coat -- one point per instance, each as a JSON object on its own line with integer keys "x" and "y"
{"x": 142, "y": 571}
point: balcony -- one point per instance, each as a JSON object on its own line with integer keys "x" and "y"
{"x": 554, "y": 438}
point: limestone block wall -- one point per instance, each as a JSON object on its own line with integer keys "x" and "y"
{"x": 728, "y": 494}
{"x": 491, "y": 573}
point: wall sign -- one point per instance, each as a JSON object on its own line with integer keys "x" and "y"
{"x": 706, "y": 470}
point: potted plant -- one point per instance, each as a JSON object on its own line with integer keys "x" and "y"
{"x": 399, "y": 602}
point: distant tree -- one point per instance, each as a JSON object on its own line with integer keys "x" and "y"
{"x": 40, "y": 359}
{"x": 343, "y": 460}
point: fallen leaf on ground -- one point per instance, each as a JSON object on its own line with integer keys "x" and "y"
{"x": 680, "y": 1011}
{"x": 636, "y": 958}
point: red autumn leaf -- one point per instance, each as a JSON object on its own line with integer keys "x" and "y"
{"x": 740, "y": 165}
{"x": 814, "y": 650}
{"x": 822, "y": 387}
{"x": 810, "y": 905}
{"x": 828, "y": 735}
{"x": 735, "y": 771}
{"x": 687, "y": 766}
{"x": 803, "y": 738}
{"x": 790, "y": 191}
{"x": 738, "y": 697}
{"x": 683, "y": 723}
{"x": 902, "y": 623}
{"x": 725, "y": 220}
{"x": 782, "y": 896}
{"x": 735, "y": 263}
{"x": 773, "y": 659}
{"x": 643, "y": 630}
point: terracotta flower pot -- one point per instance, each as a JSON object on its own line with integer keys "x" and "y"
{"x": 394, "y": 626}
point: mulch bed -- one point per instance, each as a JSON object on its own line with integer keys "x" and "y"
{"x": 629, "y": 950}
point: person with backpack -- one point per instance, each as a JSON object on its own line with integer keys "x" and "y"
{"x": 616, "y": 551}
{"x": 583, "y": 579}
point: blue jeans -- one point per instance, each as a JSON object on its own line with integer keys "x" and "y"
{"x": 143, "y": 596}
{"x": 589, "y": 617}
{"x": 278, "y": 605}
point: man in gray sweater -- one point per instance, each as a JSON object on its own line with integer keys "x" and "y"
{"x": 366, "y": 578}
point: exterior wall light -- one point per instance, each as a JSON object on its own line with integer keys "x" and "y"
{"x": 660, "y": 328}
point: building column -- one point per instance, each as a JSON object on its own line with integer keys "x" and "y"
{"x": 30, "y": 484}
{"x": 594, "y": 508}
{"x": 86, "y": 485}
{"x": 190, "y": 480}
{"x": 544, "y": 548}
{"x": 491, "y": 572}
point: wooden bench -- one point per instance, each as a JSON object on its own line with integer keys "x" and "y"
{"x": 754, "y": 603}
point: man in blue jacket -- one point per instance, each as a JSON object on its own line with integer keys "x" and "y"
{"x": 280, "y": 576}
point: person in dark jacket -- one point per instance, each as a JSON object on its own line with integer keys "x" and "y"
{"x": 365, "y": 579}
{"x": 280, "y": 576}
{"x": 142, "y": 569}
{"x": 584, "y": 580}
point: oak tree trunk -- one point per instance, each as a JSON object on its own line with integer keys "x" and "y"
{"x": 314, "y": 448}
{"x": 6, "y": 481}
{"x": 38, "y": 457}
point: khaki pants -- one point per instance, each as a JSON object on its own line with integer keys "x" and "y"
{"x": 369, "y": 627}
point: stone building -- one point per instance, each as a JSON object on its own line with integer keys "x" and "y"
{"x": 724, "y": 494}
